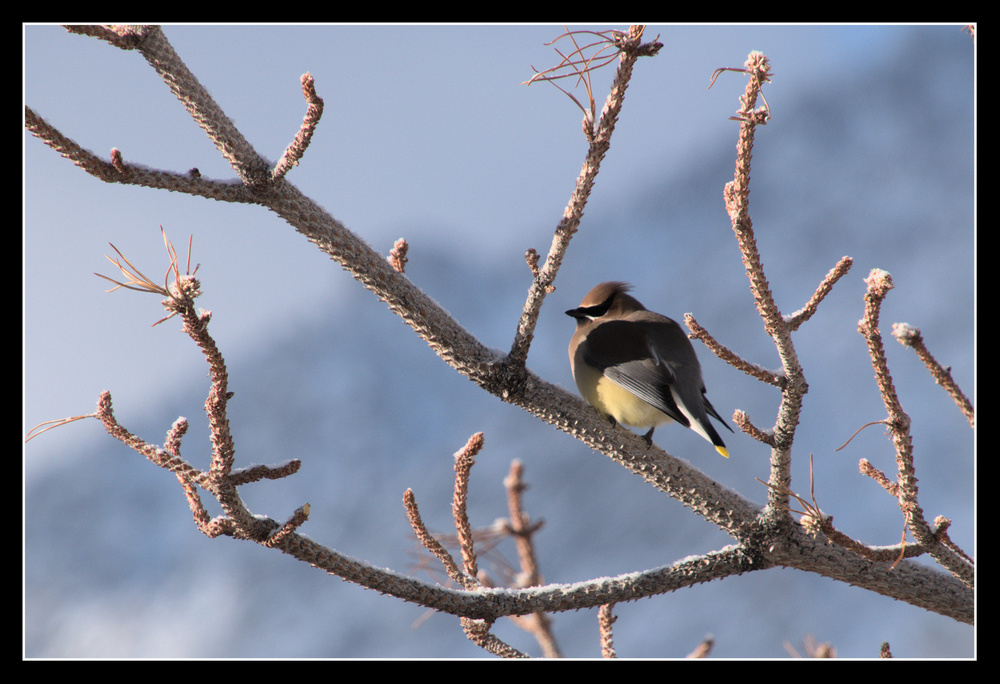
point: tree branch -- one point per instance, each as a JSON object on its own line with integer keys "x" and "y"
{"x": 766, "y": 538}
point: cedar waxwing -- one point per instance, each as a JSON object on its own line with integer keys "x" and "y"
{"x": 638, "y": 367}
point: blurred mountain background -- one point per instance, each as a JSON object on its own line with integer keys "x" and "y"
{"x": 428, "y": 134}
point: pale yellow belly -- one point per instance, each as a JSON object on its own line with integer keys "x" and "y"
{"x": 619, "y": 403}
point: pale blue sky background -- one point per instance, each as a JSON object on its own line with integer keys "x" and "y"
{"x": 428, "y": 134}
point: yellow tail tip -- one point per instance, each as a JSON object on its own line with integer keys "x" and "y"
{"x": 723, "y": 450}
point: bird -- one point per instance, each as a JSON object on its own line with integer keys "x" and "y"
{"x": 637, "y": 367}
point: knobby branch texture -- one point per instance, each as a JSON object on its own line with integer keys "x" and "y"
{"x": 765, "y": 538}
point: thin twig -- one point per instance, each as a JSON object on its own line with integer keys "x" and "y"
{"x": 805, "y": 313}
{"x": 538, "y": 624}
{"x": 599, "y": 135}
{"x": 908, "y": 336}
{"x": 297, "y": 148}
{"x": 605, "y": 619}
{"x": 433, "y": 545}
{"x": 464, "y": 460}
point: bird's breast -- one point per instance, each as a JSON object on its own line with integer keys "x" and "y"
{"x": 614, "y": 400}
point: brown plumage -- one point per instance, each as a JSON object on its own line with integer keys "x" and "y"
{"x": 638, "y": 367}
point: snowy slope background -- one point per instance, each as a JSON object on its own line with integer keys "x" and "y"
{"x": 429, "y": 135}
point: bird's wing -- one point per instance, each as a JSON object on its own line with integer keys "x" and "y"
{"x": 625, "y": 353}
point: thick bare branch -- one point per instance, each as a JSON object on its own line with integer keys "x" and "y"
{"x": 764, "y": 540}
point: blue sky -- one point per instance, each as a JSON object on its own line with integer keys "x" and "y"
{"x": 429, "y": 134}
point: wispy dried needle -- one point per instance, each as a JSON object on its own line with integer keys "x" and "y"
{"x": 137, "y": 280}
{"x": 578, "y": 64}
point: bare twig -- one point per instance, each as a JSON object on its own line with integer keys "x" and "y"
{"x": 477, "y": 630}
{"x": 630, "y": 48}
{"x": 464, "y": 460}
{"x": 605, "y": 619}
{"x": 538, "y": 624}
{"x": 479, "y": 633}
{"x": 433, "y": 545}
{"x": 730, "y": 357}
{"x": 814, "y": 522}
{"x": 737, "y": 193}
{"x": 908, "y": 336}
{"x": 879, "y": 284}
{"x": 506, "y": 377}
{"x": 806, "y": 312}
{"x": 298, "y": 518}
{"x": 866, "y": 468}
{"x": 762, "y": 436}
{"x": 298, "y": 146}
{"x": 737, "y": 199}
